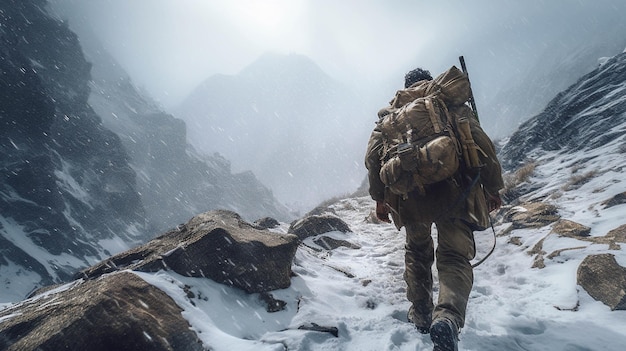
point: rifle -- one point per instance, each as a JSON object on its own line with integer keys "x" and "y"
{"x": 471, "y": 98}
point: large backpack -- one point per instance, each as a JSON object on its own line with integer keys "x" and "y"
{"x": 421, "y": 141}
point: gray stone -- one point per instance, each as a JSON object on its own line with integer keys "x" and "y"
{"x": 571, "y": 229}
{"x": 120, "y": 311}
{"x": 532, "y": 215}
{"x": 329, "y": 243}
{"x": 604, "y": 279}
{"x": 615, "y": 200}
{"x": 266, "y": 223}
{"x": 316, "y": 225}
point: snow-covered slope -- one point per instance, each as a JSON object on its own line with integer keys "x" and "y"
{"x": 67, "y": 192}
{"x": 577, "y": 148}
{"x": 89, "y": 167}
{"x": 361, "y": 293}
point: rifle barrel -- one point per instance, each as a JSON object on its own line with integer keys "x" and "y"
{"x": 471, "y": 98}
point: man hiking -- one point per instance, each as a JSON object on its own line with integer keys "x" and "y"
{"x": 416, "y": 198}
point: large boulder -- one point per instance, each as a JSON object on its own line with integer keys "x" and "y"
{"x": 604, "y": 279}
{"x": 218, "y": 245}
{"x": 120, "y": 311}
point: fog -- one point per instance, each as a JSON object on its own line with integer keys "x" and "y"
{"x": 519, "y": 53}
{"x": 170, "y": 46}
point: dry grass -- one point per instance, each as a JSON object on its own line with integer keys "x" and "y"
{"x": 576, "y": 181}
{"x": 513, "y": 180}
{"x": 521, "y": 175}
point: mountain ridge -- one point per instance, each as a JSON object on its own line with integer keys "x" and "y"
{"x": 268, "y": 121}
{"x": 90, "y": 167}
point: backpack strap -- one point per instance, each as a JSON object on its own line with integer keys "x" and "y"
{"x": 433, "y": 116}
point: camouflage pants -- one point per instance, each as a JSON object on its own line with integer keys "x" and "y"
{"x": 455, "y": 249}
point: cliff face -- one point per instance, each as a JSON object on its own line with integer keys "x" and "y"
{"x": 66, "y": 187}
{"x": 588, "y": 115}
{"x": 90, "y": 167}
{"x": 175, "y": 182}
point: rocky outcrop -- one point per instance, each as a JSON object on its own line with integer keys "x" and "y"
{"x": 266, "y": 223}
{"x": 66, "y": 186}
{"x": 218, "y": 245}
{"x": 582, "y": 117}
{"x": 531, "y": 215}
{"x": 565, "y": 227}
{"x": 175, "y": 182}
{"x": 604, "y": 279}
{"x": 117, "y": 312}
{"x": 87, "y": 160}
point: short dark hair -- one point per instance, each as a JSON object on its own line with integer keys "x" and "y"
{"x": 415, "y": 76}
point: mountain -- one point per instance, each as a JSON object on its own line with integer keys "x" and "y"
{"x": 298, "y": 130}
{"x": 587, "y": 116}
{"x": 566, "y": 200}
{"x": 175, "y": 181}
{"x": 528, "y": 80}
{"x": 67, "y": 192}
{"x": 89, "y": 166}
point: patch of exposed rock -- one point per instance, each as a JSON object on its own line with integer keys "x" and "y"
{"x": 316, "y": 225}
{"x": 565, "y": 227}
{"x": 615, "y": 200}
{"x": 119, "y": 311}
{"x": 531, "y": 215}
{"x": 604, "y": 279}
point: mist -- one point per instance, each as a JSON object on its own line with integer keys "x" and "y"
{"x": 519, "y": 53}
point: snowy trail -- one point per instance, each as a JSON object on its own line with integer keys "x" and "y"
{"x": 361, "y": 293}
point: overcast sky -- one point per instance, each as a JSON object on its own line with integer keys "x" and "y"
{"x": 170, "y": 46}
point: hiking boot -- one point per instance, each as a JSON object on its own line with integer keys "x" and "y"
{"x": 444, "y": 335}
{"x": 422, "y": 324}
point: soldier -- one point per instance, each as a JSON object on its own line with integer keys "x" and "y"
{"x": 457, "y": 206}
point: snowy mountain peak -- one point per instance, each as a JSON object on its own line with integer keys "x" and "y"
{"x": 588, "y": 115}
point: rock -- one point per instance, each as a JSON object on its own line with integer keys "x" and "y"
{"x": 120, "y": 311}
{"x": 571, "y": 229}
{"x": 604, "y": 279}
{"x": 266, "y": 223}
{"x": 618, "y": 234}
{"x": 317, "y": 224}
{"x": 334, "y": 331}
{"x": 218, "y": 245}
{"x": 329, "y": 243}
{"x": 532, "y": 215}
{"x": 615, "y": 200}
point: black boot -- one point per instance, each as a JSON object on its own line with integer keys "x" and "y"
{"x": 422, "y": 323}
{"x": 444, "y": 335}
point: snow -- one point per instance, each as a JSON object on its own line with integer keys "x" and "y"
{"x": 15, "y": 233}
{"x": 361, "y": 292}
{"x": 15, "y": 282}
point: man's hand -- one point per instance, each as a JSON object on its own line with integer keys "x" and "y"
{"x": 382, "y": 212}
{"x": 494, "y": 202}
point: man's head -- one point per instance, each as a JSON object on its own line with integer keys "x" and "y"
{"x": 415, "y": 76}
